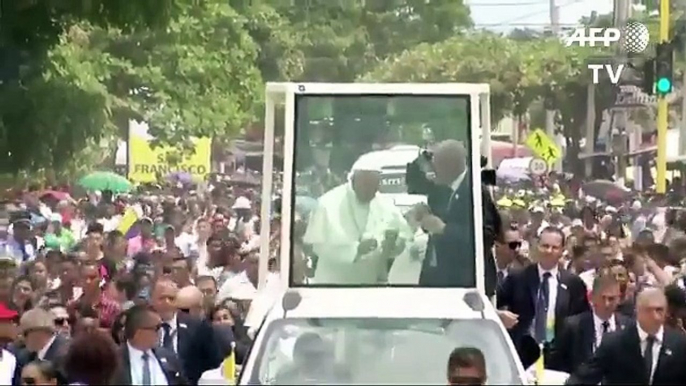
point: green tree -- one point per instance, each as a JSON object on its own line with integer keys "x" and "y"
{"x": 53, "y": 103}
{"x": 337, "y": 41}
{"x": 196, "y": 78}
{"x": 511, "y": 70}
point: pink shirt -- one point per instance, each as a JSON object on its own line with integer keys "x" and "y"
{"x": 136, "y": 245}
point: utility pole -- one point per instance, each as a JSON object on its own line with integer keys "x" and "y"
{"x": 549, "y": 112}
{"x": 662, "y": 110}
{"x": 554, "y": 18}
{"x": 621, "y": 16}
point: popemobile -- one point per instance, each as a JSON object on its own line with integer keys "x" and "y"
{"x": 366, "y": 292}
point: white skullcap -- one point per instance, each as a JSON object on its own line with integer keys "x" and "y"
{"x": 367, "y": 162}
{"x": 611, "y": 209}
{"x": 577, "y": 223}
{"x": 636, "y": 205}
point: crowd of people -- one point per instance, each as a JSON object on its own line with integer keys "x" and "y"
{"x": 87, "y": 297}
{"x": 600, "y": 287}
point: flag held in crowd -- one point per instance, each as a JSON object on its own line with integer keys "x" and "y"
{"x": 128, "y": 221}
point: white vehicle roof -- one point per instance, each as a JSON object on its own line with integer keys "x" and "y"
{"x": 396, "y": 157}
{"x": 382, "y": 303}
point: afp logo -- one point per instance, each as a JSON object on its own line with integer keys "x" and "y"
{"x": 634, "y": 37}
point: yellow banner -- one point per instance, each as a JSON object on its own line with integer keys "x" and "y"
{"x": 149, "y": 165}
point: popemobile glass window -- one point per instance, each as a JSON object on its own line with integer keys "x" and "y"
{"x": 363, "y": 216}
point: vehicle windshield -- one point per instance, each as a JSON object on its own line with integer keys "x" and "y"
{"x": 376, "y": 351}
{"x": 360, "y": 228}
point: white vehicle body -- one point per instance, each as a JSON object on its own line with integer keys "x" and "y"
{"x": 377, "y": 335}
{"x": 401, "y": 304}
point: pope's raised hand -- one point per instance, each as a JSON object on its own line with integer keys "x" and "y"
{"x": 366, "y": 246}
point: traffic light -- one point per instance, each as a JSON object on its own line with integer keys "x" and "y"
{"x": 663, "y": 69}
{"x": 648, "y": 84}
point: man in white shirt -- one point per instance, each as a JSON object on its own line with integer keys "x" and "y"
{"x": 582, "y": 334}
{"x": 143, "y": 363}
{"x": 647, "y": 353}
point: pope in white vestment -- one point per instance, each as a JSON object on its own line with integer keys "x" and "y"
{"x": 354, "y": 232}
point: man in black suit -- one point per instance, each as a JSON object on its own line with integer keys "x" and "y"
{"x": 507, "y": 254}
{"x": 190, "y": 338}
{"x": 142, "y": 362}
{"x": 41, "y": 340}
{"x": 646, "y": 353}
{"x": 448, "y": 261}
{"x": 582, "y": 334}
{"x": 542, "y": 294}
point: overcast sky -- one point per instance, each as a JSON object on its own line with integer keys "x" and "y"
{"x": 505, "y": 15}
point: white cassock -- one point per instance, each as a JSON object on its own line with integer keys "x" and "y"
{"x": 338, "y": 225}
{"x": 406, "y": 269}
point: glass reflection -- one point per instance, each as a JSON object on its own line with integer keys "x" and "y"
{"x": 383, "y": 193}
{"x": 375, "y": 351}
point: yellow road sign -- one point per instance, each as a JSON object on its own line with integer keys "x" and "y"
{"x": 543, "y": 147}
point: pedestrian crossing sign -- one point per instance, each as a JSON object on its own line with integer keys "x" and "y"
{"x": 543, "y": 146}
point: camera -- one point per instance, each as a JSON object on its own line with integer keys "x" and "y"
{"x": 488, "y": 177}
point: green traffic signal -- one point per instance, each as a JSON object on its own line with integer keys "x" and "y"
{"x": 664, "y": 86}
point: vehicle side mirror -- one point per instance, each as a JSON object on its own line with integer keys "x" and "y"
{"x": 529, "y": 351}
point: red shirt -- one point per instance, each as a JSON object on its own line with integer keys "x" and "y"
{"x": 108, "y": 310}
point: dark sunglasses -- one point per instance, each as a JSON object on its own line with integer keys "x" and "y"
{"x": 166, "y": 270}
{"x": 28, "y": 381}
{"x": 185, "y": 310}
{"x": 514, "y": 245}
{"x": 61, "y": 321}
{"x": 471, "y": 381}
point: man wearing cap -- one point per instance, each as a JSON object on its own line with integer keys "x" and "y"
{"x": 242, "y": 224}
{"x": 10, "y": 368}
{"x": 19, "y": 245}
{"x": 42, "y": 342}
{"x": 353, "y": 232}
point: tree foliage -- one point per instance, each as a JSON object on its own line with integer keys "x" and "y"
{"x": 514, "y": 70}
{"x": 194, "y": 77}
{"x": 76, "y": 71}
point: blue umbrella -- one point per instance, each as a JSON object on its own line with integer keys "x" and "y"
{"x": 182, "y": 177}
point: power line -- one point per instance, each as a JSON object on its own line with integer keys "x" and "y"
{"x": 514, "y": 21}
{"x": 504, "y": 4}
{"x": 505, "y": 24}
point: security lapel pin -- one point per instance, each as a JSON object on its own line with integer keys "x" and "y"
{"x": 163, "y": 360}
{"x": 183, "y": 325}
{"x": 668, "y": 352}
{"x": 564, "y": 286}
